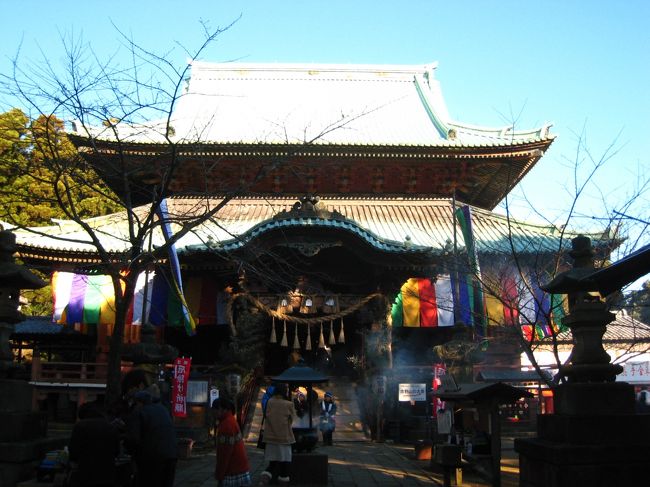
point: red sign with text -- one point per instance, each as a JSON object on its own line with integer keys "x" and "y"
{"x": 179, "y": 386}
{"x": 438, "y": 371}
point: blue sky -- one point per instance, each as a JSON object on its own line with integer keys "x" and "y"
{"x": 582, "y": 65}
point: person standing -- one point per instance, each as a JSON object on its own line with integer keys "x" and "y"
{"x": 267, "y": 395}
{"x": 232, "y": 468}
{"x": 151, "y": 439}
{"x": 643, "y": 401}
{"x": 327, "y": 421}
{"x": 94, "y": 445}
{"x": 302, "y": 410}
{"x": 278, "y": 435}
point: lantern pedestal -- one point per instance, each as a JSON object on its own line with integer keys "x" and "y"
{"x": 597, "y": 450}
{"x": 309, "y": 469}
{"x": 594, "y": 438}
{"x": 22, "y": 436}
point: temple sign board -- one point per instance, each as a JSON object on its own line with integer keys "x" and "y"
{"x": 412, "y": 392}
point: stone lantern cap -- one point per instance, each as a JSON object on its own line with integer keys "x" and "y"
{"x": 606, "y": 280}
{"x": 300, "y": 374}
{"x": 13, "y": 275}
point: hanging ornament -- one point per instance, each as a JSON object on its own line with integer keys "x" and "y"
{"x": 307, "y": 305}
{"x": 321, "y": 339}
{"x": 273, "y": 338}
{"x": 284, "y": 305}
{"x": 332, "y": 340}
{"x": 284, "y": 342}
{"x": 331, "y": 305}
{"x": 296, "y": 343}
{"x": 342, "y": 333}
{"x": 308, "y": 343}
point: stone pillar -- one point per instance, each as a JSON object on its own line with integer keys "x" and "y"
{"x": 22, "y": 432}
{"x": 593, "y": 438}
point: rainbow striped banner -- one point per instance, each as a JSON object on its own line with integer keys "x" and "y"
{"x": 517, "y": 299}
{"x": 423, "y": 303}
{"x": 542, "y": 315}
{"x": 81, "y": 299}
{"x": 176, "y": 279}
{"x": 472, "y": 309}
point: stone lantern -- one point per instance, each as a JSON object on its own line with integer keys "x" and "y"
{"x": 13, "y": 278}
{"x": 593, "y": 437}
{"x": 22, "y": 435}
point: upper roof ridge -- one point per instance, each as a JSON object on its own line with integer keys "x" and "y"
{"x": 312, "y": 69}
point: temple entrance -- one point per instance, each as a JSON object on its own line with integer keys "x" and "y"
{"x": 327, "y": 354}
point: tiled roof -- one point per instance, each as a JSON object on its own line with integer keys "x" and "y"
{"x": 38, "y": 325}
{"x": 278, "y": 104}
{"x": 624, "y": 330}
{"x": 391, "y": 225}
{"x": 511, "y": 375}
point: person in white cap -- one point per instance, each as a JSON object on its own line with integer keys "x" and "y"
{"x": 327, "y": 421}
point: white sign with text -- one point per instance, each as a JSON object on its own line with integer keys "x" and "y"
{"x": 635, "y": 373}
{"x": 412, "y": 392}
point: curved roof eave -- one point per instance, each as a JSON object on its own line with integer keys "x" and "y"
{"x": 381, "y": 244}
{"x": 198, "y": 149}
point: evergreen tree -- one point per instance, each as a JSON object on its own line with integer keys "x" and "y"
{"x": 638, "y": 303}
{"x": 42, "y": 178}
{"x": 41, "y": 175}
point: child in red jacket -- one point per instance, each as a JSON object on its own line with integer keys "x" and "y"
{"x": 232, "y": 468}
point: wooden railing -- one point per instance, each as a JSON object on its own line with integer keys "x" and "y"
{"x": 72, "y": 372}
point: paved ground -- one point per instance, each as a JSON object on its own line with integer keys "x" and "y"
{"x": 353, "y": 460}
{"x": 350, "y": 464}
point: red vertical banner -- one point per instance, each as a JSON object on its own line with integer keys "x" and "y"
{"x": 438, "y": 371}
{"x": 179, "y": 386}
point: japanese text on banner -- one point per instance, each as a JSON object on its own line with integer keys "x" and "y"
{"x": 179, "y": 386}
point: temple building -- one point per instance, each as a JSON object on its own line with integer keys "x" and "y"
{"x": 353, "y": 206}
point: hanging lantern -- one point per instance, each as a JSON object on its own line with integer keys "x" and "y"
{"x": 332, "y": 340}
{"x": 273, "y": 338}
{"x": 308, "y": 342}
{"x": 331, "y": 305}
{"x": 296, "y": 342}
{"x": 342, "y": 333}
{"x": 284, "y": 305}
{"x": 284, "y": 342}
{"x": 307, "y": 305}
{"x": 321, "y": 339}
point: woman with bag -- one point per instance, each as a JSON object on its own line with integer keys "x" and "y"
{"x": 278, "y": 436}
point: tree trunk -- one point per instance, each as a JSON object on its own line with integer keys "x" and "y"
{"x": 123, "y": 298}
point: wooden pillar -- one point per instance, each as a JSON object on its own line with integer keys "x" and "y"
{"x": 82, "y": 396}
{"x": 35, "y": 374}
{"x": 36, "y": 363}
{"x": 380, "y": 419}
{"x": 388, "y": 324}
{"x": 495, "y": 437}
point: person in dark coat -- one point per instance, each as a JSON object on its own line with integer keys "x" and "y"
{"x": 151, "y": 439}
{"x": 94, "y": 444}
